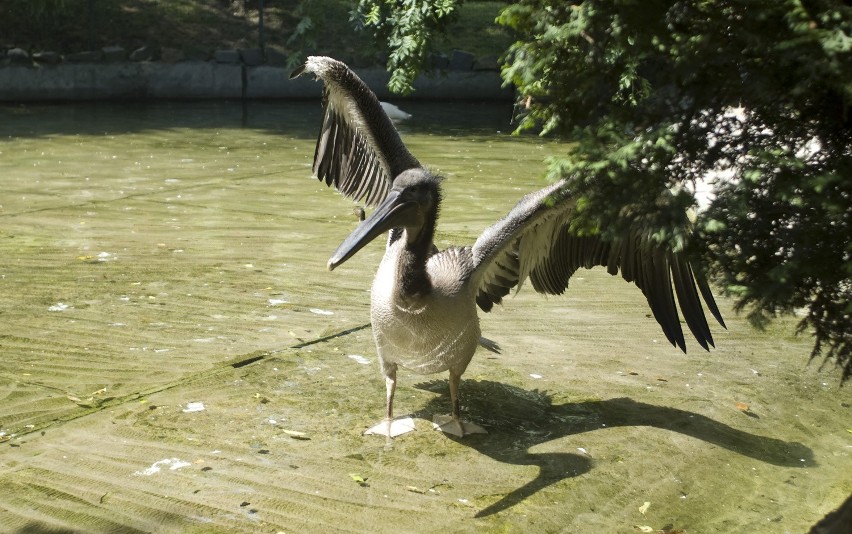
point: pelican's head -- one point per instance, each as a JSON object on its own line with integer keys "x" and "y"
{"x": 412, "y": 204}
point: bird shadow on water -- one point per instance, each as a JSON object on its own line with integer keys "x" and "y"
{"x": 521, "y": 419}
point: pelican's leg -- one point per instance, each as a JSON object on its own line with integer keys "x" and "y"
{"x": 453, "y": 424}
{"x": 388, "y": 427}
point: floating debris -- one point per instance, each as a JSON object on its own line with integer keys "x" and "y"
{"x": 156, "y": 467}
{"x": 360, "y": 359}
{"x": 58, "y": 307}
{"x": 361, "y": 481}
{"x": 90, "y": 402}
{"x": 415, "y": 489}
{"x": 194, "y": 407}
{"x": 321, "y": 312}
{"x": 295, "y": 434}
{"x": 276, "y": 302}
{"x": 644, "y": 507}
{"x": 746, "y": 409}
{"x": 100, "y": 258}
{"x": 536, "y": 376}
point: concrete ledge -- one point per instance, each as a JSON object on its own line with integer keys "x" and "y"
{"x": 195, "y": 79}
{"x": 208, "y": 79}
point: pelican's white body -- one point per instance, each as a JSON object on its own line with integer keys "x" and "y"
{"x": 428, "y": 333}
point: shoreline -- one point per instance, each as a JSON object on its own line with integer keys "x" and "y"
{"x": 194, "y": 80}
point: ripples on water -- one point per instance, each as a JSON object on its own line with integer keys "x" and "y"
{"x": 142, "y": 243}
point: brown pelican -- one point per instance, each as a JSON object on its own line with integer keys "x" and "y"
{"x": 423, "y": 302}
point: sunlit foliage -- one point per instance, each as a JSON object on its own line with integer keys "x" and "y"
{"x": 408, "y": 27}
{"x": 751, "y": 96}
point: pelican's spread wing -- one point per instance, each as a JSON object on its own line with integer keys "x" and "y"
{"x": 358, "y": 151}
{"x": 533, "y": 242}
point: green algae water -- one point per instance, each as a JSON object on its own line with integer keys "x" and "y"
{"x": 175, "y": 357}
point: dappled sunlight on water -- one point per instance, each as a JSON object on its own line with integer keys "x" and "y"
{"x": 155, "y": 257}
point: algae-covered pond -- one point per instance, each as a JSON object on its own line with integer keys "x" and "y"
{"x": 175, "y": 357}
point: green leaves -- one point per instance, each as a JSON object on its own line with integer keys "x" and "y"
{"x": 659, "y": 95}
{"x": 408, "y": 27}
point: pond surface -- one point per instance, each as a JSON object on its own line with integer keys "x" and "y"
{"x": 153, "y": 257}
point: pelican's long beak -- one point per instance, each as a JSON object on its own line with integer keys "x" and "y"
{"x": 394, "y": 212}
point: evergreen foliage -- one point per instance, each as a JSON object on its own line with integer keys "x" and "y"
{"x": 753, "y": 95}
{"x": 408, "y": 27}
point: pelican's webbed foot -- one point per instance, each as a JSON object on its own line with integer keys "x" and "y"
{"x": 451, "y": 425}
{"x": 391, "y": 428}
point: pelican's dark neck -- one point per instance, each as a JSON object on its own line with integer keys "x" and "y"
{"x": 416, "y": 250}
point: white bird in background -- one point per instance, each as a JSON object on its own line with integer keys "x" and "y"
{"x": 394, "y": 112}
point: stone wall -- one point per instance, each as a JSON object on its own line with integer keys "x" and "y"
{"x": 112, "y": 74}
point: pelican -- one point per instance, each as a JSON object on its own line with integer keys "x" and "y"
{"x": 424, "y": 301}
{"x": 394, "y": 112}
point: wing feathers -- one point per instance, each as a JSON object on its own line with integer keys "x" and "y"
{"x": 344, "y": 159}
{"x": 360, "y": 153}
{"x": 690, "y": 303}
{"x": 533, "y": 241}
{"x": 358, "y": 150}
{"x": 704, "y": 287}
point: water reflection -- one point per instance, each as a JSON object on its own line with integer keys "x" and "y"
{"x": 294, "y": 118}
